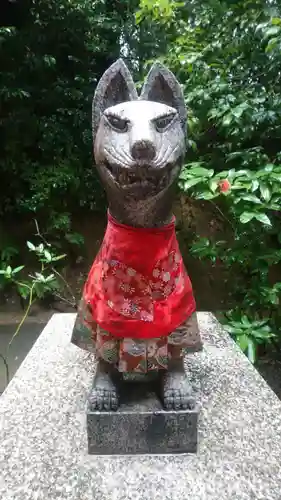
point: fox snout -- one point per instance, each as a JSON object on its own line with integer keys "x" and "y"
{"x": 143, "y": 150}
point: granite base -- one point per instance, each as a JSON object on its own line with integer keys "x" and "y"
{"x": 43, "y": 436}
{"x": 141, "y": 426}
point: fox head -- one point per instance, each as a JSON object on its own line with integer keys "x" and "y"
{"x": 139, "y": 141}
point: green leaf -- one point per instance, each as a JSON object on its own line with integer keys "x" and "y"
{"x": 49, "y": 278}
{"x": 184, "y": 175}
{"x": 206, "y": 195}
{"x": 251, "y": 351}
{"x": 255, "y": 185}
{"x": 243, "y": 173}
{"x": 263, "y": 333}
{"x": 24, "y": 290}
{"x": 246, "y": 217}
{"x": 227, "y": 119}
{"x": 276, "y": 21}
{"x": 213, "y": 185}
{"x": 276, "y": 177}
{"x": 138, "y": 16}
{"x": 59, "y": 257}
{"x": 272, "y": 44}
{"x": 199, "y": 171}
{"x": 237, "y": 200}
{"x": 234, "y": 331}
{"x": 31, "y": 246}
{"x": 239, "y": 110}
{"x": 40, "y": 277}
{"x": 48, "y": 255}
{"x": 18, "y": 269}
{"x": 265, "y": 192}
{"x": 242, "y": 341}
{"x": 191, "y": 182}
{"x": 273, "y": 30}
{"x": 245, "y": 320}
{"x": 263, "y": 218}
{"x": 252, "y": 198}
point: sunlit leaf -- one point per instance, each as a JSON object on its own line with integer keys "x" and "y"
{"x": 59, "y": 257}
{"x": 48, "y": 255}
{"x": 263, "y": 218}
{"x": 252, "y": 198}
{"x": 18, "y": 269}
{"x": 251, "y": 351}
{"x": 265, "y": 192}
{"x": 246, "y": 217}
{"x": 30, "y": 245}
{"x": 191, "y": 182}
{"x": 243, "y": 342}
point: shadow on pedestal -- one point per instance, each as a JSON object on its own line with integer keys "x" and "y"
{"x": 141, "y": 426}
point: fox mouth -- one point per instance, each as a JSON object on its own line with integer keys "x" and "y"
{"x": 140, "y": 176}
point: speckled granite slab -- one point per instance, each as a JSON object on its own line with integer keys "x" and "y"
{"x": 43, "y": 438}
{"x": 140, "y": 425}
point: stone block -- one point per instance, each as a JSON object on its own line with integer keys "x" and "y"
{"x": 43, "y": 430}
{"x": 141, "y": 426}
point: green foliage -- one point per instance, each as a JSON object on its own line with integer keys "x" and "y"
{"x": 43, "y": 282}
{"x": 251, "y": 206}
{"x": 7, "y": 253}
{"x": 227, "y": 55}
{"x": 50, "y": 65}
{"x": 161, "y": 10}
{"x": 60, "y": 224}
{"x": 250, "y": 194}
{"x": 249, "y": 334}
{"x": 39, "y": 284}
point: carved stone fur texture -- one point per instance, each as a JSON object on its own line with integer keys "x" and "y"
{"x": 139, "y": 143}
{"x": 139, "y": 146}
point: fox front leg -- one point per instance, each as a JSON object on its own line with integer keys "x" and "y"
{"x": 177, "y": 393}
{"x": 105, "y": 392}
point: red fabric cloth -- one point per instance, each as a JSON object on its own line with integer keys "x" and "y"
{"x": 137, "y": 286}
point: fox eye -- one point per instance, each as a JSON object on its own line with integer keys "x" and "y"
{"x": 118, "y": 124}
{"x": 163, "y": 122}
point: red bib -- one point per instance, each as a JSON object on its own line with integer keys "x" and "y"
{"x": 138, "y": 286}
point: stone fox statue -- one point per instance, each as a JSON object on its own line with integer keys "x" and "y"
{"x": 137, "y": 312}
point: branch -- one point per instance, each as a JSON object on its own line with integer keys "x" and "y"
{"x": 7, "y": 369}
{"x": 52, "y": 267}
{"x": 30, "y": 302}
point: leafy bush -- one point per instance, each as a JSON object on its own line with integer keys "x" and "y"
{"x": 250, "y": 202}
{"x": 50, "y": 65}
{"x": 43, "y": 282}
{"x": 227, "y": 56}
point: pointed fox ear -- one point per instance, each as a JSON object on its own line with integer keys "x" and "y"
{"x": 115, "y": 86}
{"x": 162, "y": 86}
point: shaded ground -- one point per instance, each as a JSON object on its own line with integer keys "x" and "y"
{"x": 270, "y": 368}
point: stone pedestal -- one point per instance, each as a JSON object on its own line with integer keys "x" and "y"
{"x": 141, "y": 426}
{"x": 43, "y": 430}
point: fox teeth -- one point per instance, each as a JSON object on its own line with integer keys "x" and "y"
{"x": 122, "y": 178}
{"x": 131, "y": 178}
